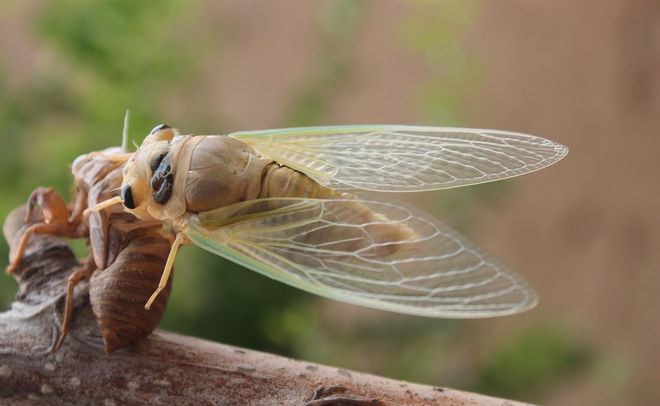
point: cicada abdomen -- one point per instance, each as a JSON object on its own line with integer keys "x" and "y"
{"x": 281, "y": 181}
{"x": 118, "y": 293}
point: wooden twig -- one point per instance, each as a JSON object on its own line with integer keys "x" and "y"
{"x": 165, "y": 368}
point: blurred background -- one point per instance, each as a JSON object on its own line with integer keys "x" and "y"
{"x": 585, "y": 232}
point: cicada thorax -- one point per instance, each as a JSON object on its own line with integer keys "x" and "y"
{"x": 222, "y": 171}
{"x": 170, "y": 177}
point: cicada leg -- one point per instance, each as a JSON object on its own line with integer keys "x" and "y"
{"x": 76, "y": 215}
{"x": 178, "y": 241}
{"x": 103, "y": 205}
{"x": 115, "y": 158}
{"x": 55, "y": 222}
{"x": 53, "y": 206}
{"x": 74, "y": 279}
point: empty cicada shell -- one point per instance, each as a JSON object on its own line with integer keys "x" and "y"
{"x": 119, "y": 292}
{"x": 130, "y": 255}
{"x": 127, "y": 254}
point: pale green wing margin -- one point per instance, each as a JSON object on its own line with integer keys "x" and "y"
{"x": 364, "y": 252}
{"x": 396, "y": 158}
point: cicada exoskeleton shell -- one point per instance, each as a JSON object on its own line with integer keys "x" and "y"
{"x": 118, "y": 293}
{"x": 129, "y": 253}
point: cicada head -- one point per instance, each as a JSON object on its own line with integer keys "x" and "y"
{"x": 151, "y": 158}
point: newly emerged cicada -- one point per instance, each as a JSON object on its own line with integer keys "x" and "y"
{"x": 286, "y": 203}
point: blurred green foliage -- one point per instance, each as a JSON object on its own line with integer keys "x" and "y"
{"x": 533, "y": 361}
{"x": 119, "y": 40}
{"x": 98, "y": 58}
{"x": 338, "y": 21}
{"x": 435, "y": 33}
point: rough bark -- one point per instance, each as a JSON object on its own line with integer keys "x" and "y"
{"x": 164, "y": 368}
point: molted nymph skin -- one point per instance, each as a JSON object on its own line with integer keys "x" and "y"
{"x": 129, "y": 253}
{"x": 119, "y": 292}
{"x": 96, "y": 174}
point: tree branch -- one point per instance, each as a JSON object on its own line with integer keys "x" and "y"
{"x": 164, "y": 368}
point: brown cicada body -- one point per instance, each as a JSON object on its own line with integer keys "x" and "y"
{"x": 118, "y": 293}
{"x": 127, "y": 255}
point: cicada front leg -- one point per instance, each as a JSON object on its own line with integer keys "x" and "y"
{"x": 73, "y": 280}
{"x": 79, "y": 206}
{"x": 55, "y": 221}
{"x": 102, "y": 205}
{"x": 180, "y": 240}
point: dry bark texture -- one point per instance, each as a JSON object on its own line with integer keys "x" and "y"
{"x": 164, "y": 368}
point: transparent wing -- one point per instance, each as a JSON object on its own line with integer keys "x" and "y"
{"x": 390, "y": 158}
{"x": 370, "y": 253}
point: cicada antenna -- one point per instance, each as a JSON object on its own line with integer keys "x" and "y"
{"x": 124, "y": 133}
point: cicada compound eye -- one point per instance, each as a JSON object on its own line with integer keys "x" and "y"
{"x": 161, "y": 132}
{"x": 127, "y": 197}
{"x": 159, "y": 127}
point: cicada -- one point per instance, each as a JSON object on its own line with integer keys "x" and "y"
{"x": 289, "y": 204}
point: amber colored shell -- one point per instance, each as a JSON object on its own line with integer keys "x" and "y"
{"x": 129, "y": 254}
{"x": 119, "y": 292}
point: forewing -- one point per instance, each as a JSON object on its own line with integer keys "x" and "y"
{"x": 364, "y": 252}
{"x": 391, "y": 158}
